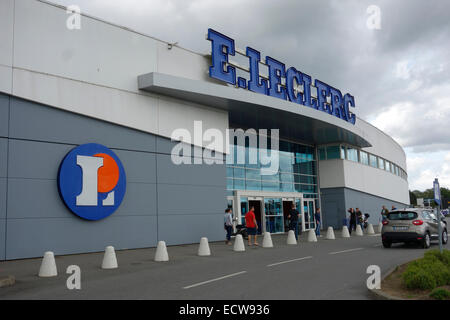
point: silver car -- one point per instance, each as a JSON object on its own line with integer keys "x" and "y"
{"x": 412, "y": 225}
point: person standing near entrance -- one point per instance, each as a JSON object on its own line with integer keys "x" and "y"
{"x": 352, "y": 220}
{"x": 293, "y": 220}
{"x": 251, "y": 225}
{"x": 317, "y": 220}
{"x": 384, "y": 213}
{"x": 228, "y": 225}
{"x": 359, "y": 218}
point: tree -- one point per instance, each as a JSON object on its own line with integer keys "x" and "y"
{"x": 427, "y": 194}
{"x": 412, "y": 198}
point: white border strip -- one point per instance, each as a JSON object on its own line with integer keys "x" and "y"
{"x": 349, "y": 250}
{"x": 293, "y": 260}
{"x": 217, "y": 279}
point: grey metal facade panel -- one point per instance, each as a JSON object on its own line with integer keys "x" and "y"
{"x": 369, "y": 204}
{"x": 4, "y": 115}
{"x": 181, "y": 229}
{"x": 38, "y": 160}
{"x": 333, "y": 207}
{"x": 3, "y": 187}
{"x": 73, "y": 235}
{"x": 336, "y": 202}
{"x": 2, "y": 239}
{"x": 35, "y": 198}
{"x": 158, "y": 194}
{"x": 38, "y": 122}
{"x": 3, "y": 157}
{"x": 140, "y": 167}
{"x": 195, "y": 174}
{"x": 190, "y": 199}
{"x": 165, "y": 146}
{"x": 140, "y": 199}
{"x": 41, "y": 160}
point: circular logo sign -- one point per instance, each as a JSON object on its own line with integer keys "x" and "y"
{"x": 91, "y": 181}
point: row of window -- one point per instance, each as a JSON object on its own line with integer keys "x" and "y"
{"x": 275, "y": 186}
{"x": 285, "y": 166}
{"x": 282, "y": 177}
{"x": 251, "y": 157}
{"x": 363, "y": 157}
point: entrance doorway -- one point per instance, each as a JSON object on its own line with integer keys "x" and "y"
{"x": 257, "y": 205}
{"x": 271, "y": 209}
{"x": 309, "y": 210}
{"x": 287, "y": 206}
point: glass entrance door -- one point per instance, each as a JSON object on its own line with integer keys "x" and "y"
{"x": 273, "y": 209}
{"x": 256, "y": 204}
{"x": 309, "y": 208}
{"x": 246, "y": 203}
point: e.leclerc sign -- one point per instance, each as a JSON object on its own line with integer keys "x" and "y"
{"x": 92, "y": 181}
{"x": 223, "y": 46}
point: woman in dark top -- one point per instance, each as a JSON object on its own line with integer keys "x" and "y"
{"x": 352, "y": 220}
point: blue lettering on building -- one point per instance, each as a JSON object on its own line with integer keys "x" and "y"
{"x": 222, "y": 47}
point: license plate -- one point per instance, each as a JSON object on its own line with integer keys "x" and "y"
{"x": 400, "y": 228}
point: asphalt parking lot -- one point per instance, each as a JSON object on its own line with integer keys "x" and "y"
{"x": 327, "y": 269}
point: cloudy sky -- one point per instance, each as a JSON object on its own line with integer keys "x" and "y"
{"x": 399, "y": 74}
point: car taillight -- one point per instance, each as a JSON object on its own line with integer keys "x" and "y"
{"x": 417, "y": 222}
{"x": 385, "y": 222}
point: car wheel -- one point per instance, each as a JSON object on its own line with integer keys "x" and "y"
{"x": 387, "y": 244}
{"x": 444, "y": 237}
{"x": 426, "y": 243}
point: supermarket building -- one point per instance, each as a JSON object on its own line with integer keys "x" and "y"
{"x": 63, "y": 89}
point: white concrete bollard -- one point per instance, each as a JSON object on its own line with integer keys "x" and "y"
{"x": 203, "y": 249}
{"x": 48, "y": 266}
{"x": 370, "y": 229}
{"x": 239, "y": 244}
{"x": 291, "y": 237}
{"x": 380, "y": 226}
{"x": 330, "y": 234}
{"x": 345, "y": 232}
{"x": 109, "y": 258}
{"x": 267, "y": 240}
{"x": 359, "y": 231}
{"x": 161, "y": 254}
{"x": 312, "y": 236}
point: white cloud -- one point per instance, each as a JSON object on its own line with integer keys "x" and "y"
{"x": 402, "y": 70}
{"x": 424, "y": 168}
{"x": 414, "y": 85}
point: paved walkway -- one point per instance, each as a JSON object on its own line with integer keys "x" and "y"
{"x": 328, "y": 269}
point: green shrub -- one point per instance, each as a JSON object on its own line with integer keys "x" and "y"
{"x": 415, "y": 278}
{"x": 444, "y": 257}
{"x": 429, "y": 272}
{"x": 440, "y": 294}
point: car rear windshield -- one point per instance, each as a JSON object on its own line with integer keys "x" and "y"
{"x": 404, "y": 215}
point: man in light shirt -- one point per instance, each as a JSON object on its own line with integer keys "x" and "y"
{"x": 228, "y": 224}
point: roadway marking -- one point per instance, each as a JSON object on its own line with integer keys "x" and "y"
{"x": 217, "y": 279}
{"x": 349, "y": 250}
{"x": 293, "y": 260}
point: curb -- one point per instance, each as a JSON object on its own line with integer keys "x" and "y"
{"x": 8, "y": 281}
{"x": 378, "y": 294}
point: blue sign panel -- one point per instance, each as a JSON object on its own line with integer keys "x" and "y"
{"x": 222, "y": 47}
{"x": 437, "y": 192}
{"x": 92, "y": 181}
